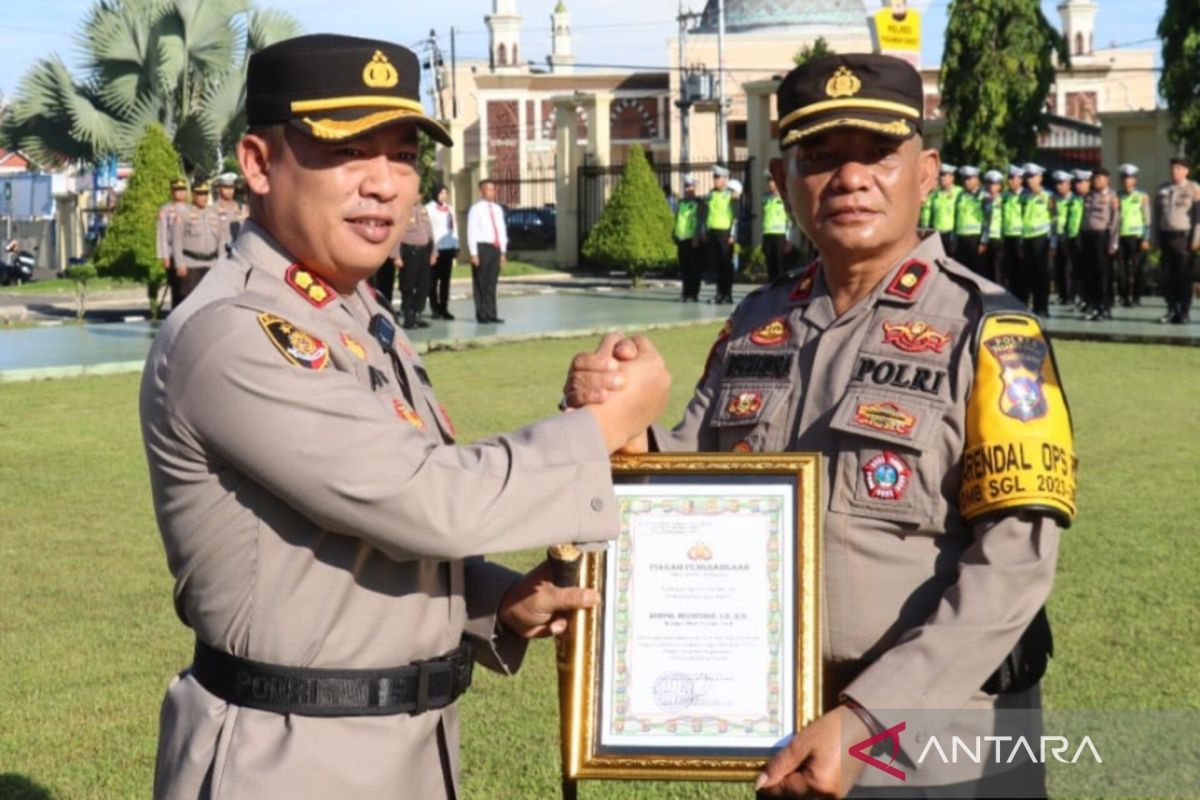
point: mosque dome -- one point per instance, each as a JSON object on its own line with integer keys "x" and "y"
{"x": 747, "y": 15}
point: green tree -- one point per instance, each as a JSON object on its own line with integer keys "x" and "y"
{"x": 997, "y": 70}
{"x": 817, "y": 49}
{"x": 634, "y": 231}
{"x": 180, "y": 64}
{"x": 128, "y": 247}
{"x": 1179, "y": 30}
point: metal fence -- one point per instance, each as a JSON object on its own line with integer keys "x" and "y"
{"x": 595, "y": 186}
{"x": 534, "y": 188}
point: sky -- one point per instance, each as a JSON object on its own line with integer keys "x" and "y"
{"x": 609, "y": 32}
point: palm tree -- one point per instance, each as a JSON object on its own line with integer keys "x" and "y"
{"x": 177, "y": 63}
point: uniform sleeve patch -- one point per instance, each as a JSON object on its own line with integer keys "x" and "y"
{"x": 915, "y": 336}
{"x": 296, "y": 345}
{"x": 759, "y": 365}
{"x": 1020, "y": 359}
{"x": 310, "y": 286}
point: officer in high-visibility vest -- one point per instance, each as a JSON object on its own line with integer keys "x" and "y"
{"x": 721, "y": 232}
{"x": 1081, "y": 185}
{"x": 1135, "y": 236}
{"x": 1012, "y": 227}
{"x": 1037, "y": 225}
{"x": 968, "y": 220}
{"x": 689, "y": 217}
{"x": 1062, "y": 253}
{"x": 991, "y": 239}
{"x": 941, "y": 206}
{"x": 775, "y": 222}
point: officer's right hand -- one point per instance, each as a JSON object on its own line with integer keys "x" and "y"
{"x": 474, "y": 261}
{"x": 593, "y": 375}
{"x": 646, "y": 385}
{"x": 181, "y": 271}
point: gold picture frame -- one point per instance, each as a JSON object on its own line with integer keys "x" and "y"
{"x": 580, "y": 652}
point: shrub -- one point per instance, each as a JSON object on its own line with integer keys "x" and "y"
{"x": 634, "y": 231}
{"x": 128, "y": 247}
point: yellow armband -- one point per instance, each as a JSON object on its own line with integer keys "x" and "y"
{"x": 1020, "y": 451}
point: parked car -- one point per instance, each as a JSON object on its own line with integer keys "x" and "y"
{"x": 531, "y": 228}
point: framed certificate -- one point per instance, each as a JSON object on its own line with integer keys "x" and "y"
{"x": 704, "y": 656}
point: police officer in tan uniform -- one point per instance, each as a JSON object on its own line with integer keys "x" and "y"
{"x": 1177, "y": 231}
{"x": 165, "y": 226}
{"x": 324, "y": 530}
{"x": 198, "y": 238}
{"x": 228, "y": 208}
{"x": 948, "y": 466}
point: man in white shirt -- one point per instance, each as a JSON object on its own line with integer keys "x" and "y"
{"x": 445, "y": 241}
{"x": 487, "y": 239}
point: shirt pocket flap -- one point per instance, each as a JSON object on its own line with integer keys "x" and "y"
{"x": 888, "y": 417}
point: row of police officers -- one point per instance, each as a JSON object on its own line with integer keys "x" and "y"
{"x": 192, "y": 235}
{"x": 1080, "y": 236}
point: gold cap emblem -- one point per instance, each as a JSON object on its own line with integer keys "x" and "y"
{"x": 842, "y": 83}
{"x": 379, "y": 72}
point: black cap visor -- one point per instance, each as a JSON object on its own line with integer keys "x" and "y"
{"x": 333, "y": 121}
{"x": 887, "y": 123}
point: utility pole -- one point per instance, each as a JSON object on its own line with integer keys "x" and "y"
{"x": 435, "y": 64}
{"x": 686, "y": 97}
{"x": 453, "y": 78}
{"x": 722, "y": 128}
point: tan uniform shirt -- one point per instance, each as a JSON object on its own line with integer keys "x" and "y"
{"x": 420, "y": 230}
{"x": 313, "y": 521}
{"x": 919, "y": 607}
{"x": 198, "y": 237}
{"x": 1177, "y": 209}
{"x": 1102, "y": 212}
{"x": 167, "y": 214}
{"x": 231, "y": 213}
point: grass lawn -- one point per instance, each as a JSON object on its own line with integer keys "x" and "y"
{"x": 67, "y": 287}
{"x": 512, "y": 269}
{"x": 89, "y": 639}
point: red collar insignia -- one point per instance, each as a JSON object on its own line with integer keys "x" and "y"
{"x": 908, "y": 280}
{"x": 803, "y": 289}
{"x": 310, "y": 286}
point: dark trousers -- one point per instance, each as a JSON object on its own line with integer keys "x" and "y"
{"x": 189, "y": 282}
{"x": 947, "y": 242}
{"x": 1077, "y": 281}
{"x": 1132, "y": 259}
{"x": 1177, "y": 271}
{"x": 691, "y": 265}
{"x": 414, "y": 278}
{"x": 1010, "y": 276}
{"x": 1062, "y": 270}
{"x": 483, "y": 281}
{"x": 384, "y": 281}
{"x": 1036, "y": 270}
{"x": 773, "y": 254}
{"x": 720, "y": 255}
{"x": 439, "y": 284}
{"x": 966, "y": 252}
{"x": 175, "y": 285}
{"x": 1096, "y": 265}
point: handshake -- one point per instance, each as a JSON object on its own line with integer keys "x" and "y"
{"x": 625, "y": 385}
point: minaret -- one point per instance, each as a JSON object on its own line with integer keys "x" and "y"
{"x": 562, "y": 61}
{"x": 504, "y": 33}
{"x": 1078, "y": 25}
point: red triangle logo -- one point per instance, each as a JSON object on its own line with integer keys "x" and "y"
{"x": 892, "y": 734}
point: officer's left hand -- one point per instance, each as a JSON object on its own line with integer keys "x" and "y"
{"x": 813, "y": 763}
{"x": 1145, "y": 246}
{"x": 534, "y": 607}
{"x": 1112, "y": 251}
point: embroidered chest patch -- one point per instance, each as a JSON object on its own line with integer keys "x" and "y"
{"x": 745, "y": 404}
{"x": 407, "y": 414}
{"x": 916, "y": 336}
{"x": 297, "y": 346}
{"x": 354, "y": 346}
{"x": 887, "y": 417}
{"x": 887, "y": 476}
{"x": 774, "y": 332}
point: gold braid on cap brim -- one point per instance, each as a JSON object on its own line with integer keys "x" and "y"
{"x": 894, "y": 128}
{"x": 334, "y": 129}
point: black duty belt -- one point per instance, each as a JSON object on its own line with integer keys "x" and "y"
{"x": 412, "y": 689}
{"x": 201, "y": 256}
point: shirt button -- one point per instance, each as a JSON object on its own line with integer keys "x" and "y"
{"x": 597, "y": 504}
